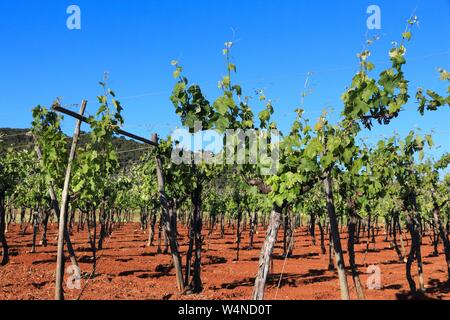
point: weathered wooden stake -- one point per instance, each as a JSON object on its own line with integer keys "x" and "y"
{"x": 265, "y": 257}
{"x": 59, "y": 292}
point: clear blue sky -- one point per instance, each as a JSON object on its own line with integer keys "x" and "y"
{"x": 277, "y": 43}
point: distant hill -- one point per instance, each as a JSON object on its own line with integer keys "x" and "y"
{"x": 18, "y": 139}
{"x": 15, "y": 138}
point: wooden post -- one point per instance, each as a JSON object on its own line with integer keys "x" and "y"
{"x": 265, "y": 257}
{"x": 168, "y": 217}
{"x": 337, "y": 247}
{"x": 59, "y": 293}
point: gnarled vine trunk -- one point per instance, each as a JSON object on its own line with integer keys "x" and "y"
{"x": 443, "y": 235}
{"x": 196, "y": 283}
{"x": 168, "y": 216}
{"x": 253, "y": 228}
{"x": 238, "y": 234}
{"x": 4, "y": 243}
{"x": 351, "y": 252}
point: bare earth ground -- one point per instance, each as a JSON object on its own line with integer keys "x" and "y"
{"x": 127, "y": 269}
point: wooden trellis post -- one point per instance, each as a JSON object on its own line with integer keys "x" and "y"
{"x": 59, "y": 292}
{"x": 163, "y": 199}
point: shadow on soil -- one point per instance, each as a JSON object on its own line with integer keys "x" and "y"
{"x": 38, "y": 262}
{"x": 213, "y": 260}
{"x": 310, "y": 256}
{"x": 40, "y": 285}
{"x": 439, "y": 288}
{"x": 289, "y": 279}
{"x": 130, "y": 273}
{"x": 436, "y": 288}
{"x": 162, "y": 270}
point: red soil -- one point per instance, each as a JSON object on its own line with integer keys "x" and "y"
{"x": 127, "y": 269}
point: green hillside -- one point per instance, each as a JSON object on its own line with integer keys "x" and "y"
{"x": 19, "y": 139}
